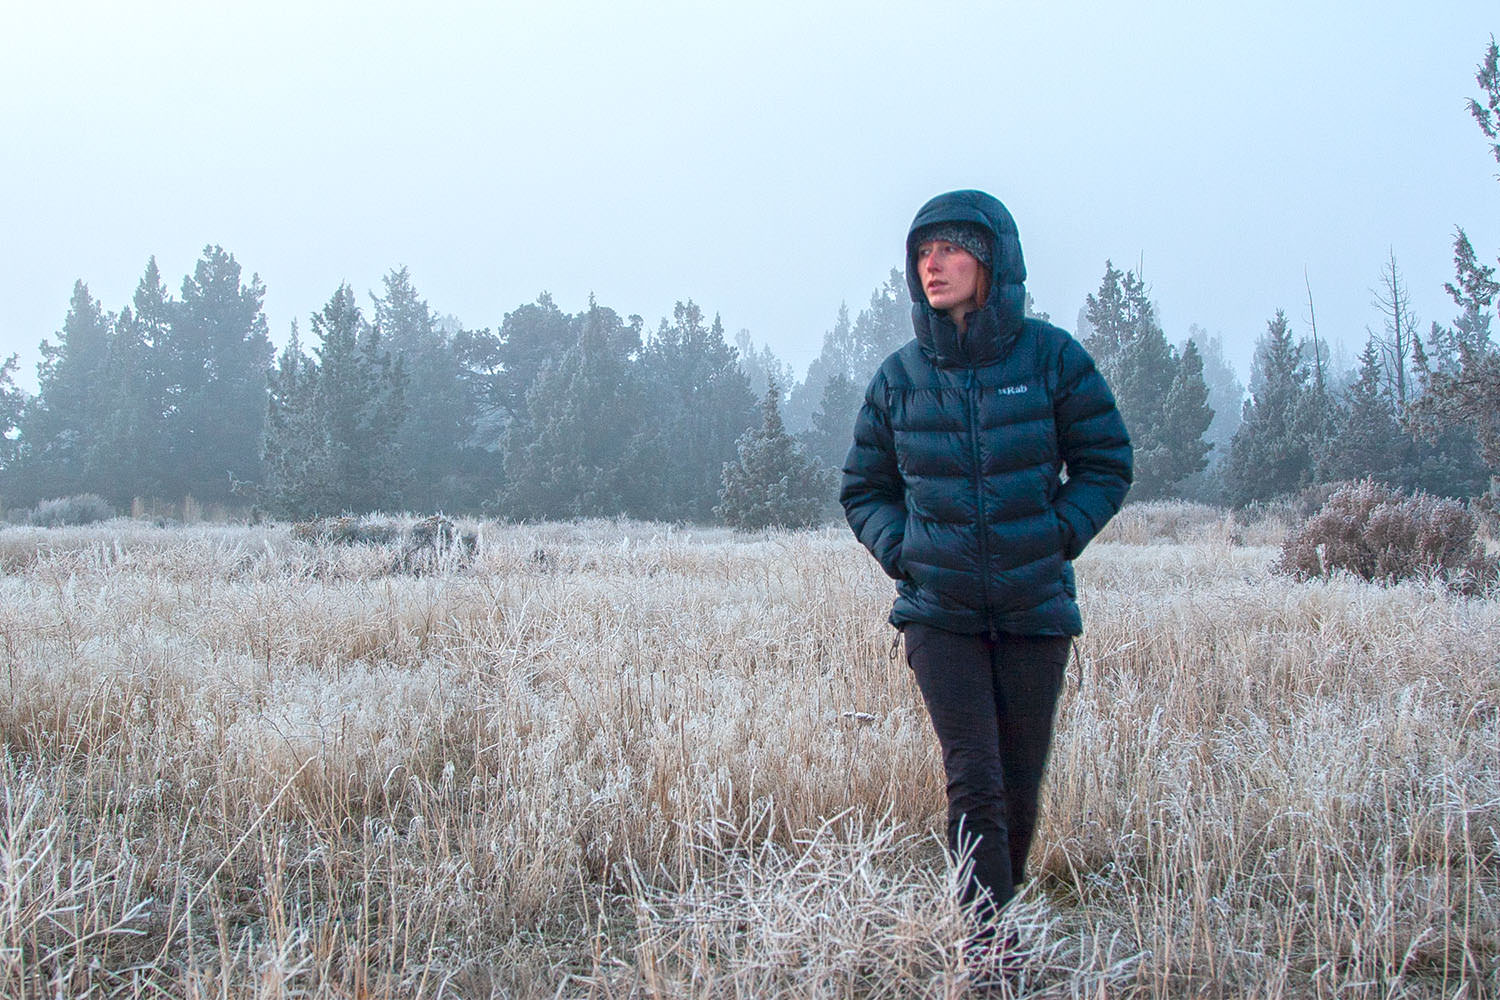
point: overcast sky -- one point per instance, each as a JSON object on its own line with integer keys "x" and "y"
{"x": 763, "y": 158}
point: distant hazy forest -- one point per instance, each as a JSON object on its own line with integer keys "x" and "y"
{"x": 179, "y": 401}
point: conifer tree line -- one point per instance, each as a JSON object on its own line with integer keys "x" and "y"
{"x": 388, "y": 407}
{"x": 1421, "y": 410}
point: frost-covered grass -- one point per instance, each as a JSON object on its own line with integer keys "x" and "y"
{"x": 621, "y": 760}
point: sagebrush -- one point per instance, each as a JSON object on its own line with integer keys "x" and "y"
{"x": 80, "y": 509}
{"x": 1380, "y": 533}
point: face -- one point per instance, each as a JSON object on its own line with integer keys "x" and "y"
{"x": 950, "y": 277}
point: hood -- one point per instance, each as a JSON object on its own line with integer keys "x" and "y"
{"x": 994, "y": 327}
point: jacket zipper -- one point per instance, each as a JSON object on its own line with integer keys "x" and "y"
{"x": 984, "y": 547}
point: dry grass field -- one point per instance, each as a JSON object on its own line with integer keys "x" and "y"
{"x": 621, "y": 760}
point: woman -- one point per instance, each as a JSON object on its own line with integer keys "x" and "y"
{"x": 954, "y": 484}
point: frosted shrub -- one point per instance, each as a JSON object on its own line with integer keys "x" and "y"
{"x": 349, "y": 531}
{"x": 1381, "y": 534}
{"x": 392, "y": 545}
{"x": 82, "y": 508}
{"x": 432, "y": 543}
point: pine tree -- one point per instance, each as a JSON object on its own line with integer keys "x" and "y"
{"x": 530, "y": 337}
{"x": 361, "y": 405}
{"x": 566, "y": 455}
{"x": 1271, "y": 454}
{"x": 63, "y": 429}
{"x": 761, "y": 365}
{"x": 216, "y": 356}
{"x": 137, "y": 395}
{"x": 1486, "y": 109}
{"x": 331, "y": 424}
{"x": 771, "y": 483}
{"x": 855, "y": 347}
{"x": 1473, "y": 290}
{"x": 477, "y": 352}
{"x": 698, "y": 405}
{"x": 1464, "y": 398}
{"x": 1366, "y": 440}
{"x": 837, "y": 357}
{"x": 1161, "y": 396}
{"x": 434, "y": 447}
{"x": 295, "y": 457}
{"x": 831, "y": 432}
{"x": 1464, "y": 390}
{"x": 1185, "y": 416}
{"x": 1447, "y": 419}
{"x": 1110, "y": 317}
{"x": 881, "y": 327}
{"x": 1450, "y": 463}
{"x": 1226, "y": 397}
{"x": 130, "y": 433}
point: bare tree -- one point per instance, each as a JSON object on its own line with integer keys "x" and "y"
{"x": 1399, "y": 347}
{"x": 1312, "y": 321}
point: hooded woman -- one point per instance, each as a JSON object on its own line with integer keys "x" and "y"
{"x": 956, "y": 485}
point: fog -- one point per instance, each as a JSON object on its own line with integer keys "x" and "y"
{"x": 763, "y": 160}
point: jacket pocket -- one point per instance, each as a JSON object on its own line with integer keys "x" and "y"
{"x": 1065, "y": 537}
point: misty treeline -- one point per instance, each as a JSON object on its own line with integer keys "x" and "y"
{"x": 560, "y": 415}
{"x": 549, "y": 415}
{"x": 556, "y": 415}
{"x": 386, "y": 406}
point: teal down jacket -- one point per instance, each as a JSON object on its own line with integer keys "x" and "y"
{"x": 955, "y": 480}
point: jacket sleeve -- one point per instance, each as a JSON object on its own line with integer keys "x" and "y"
{"x": 873, "y": 494}
{"x": 1095, "y": 448}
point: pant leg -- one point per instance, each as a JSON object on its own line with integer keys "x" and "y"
{"x": 956, "y": 676}
{"x": 1028, "y": 678}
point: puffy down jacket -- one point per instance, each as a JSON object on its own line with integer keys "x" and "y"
{"x": 955, "y": 481}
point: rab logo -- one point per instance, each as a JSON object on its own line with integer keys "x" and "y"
{"x": 1011, "y": 390}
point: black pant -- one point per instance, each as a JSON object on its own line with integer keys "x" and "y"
{"x": 992, "y": 703}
